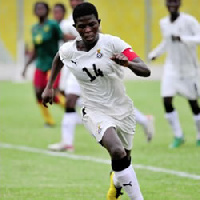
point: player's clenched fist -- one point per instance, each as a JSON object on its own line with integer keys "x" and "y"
{"x": 47, "y": 96}
{"x": 120, "y": 59}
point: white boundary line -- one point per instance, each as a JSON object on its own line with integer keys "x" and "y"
{"x": 97, "y": 160}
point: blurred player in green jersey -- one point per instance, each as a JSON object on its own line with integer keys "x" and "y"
{"x": 46, "y": 35}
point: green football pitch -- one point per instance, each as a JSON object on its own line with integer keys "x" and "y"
{"x": 29, "y": 172}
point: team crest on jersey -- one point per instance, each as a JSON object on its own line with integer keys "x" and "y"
{"x": 99, "y": 129}
{"x": 46, "y": 28}
{"x": 99, "y": 54}
{"x": 38, "y": 39}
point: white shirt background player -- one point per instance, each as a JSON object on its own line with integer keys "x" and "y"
{"x": 68, "y": 82}
{"x": 181, "y": 71}
{"x": 70, "y": 86}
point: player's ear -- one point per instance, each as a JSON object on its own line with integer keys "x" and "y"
{"x": 99, "y": 21}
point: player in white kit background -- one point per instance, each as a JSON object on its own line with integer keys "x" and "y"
{"x": 59, "y": 11}
{"x": 97, "y": 61}
{"x": 181, "y": 35}
{"x": 71, "y": 88}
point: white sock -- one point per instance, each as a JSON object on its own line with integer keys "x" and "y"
{"x": 128, "y": 181}
{"x": 140, "y": 117}
{"x": 197, "y": 122}
{"x": 68, "y": 127}
{"x": 116, "y": 182}
{"x": 173, "y": 120}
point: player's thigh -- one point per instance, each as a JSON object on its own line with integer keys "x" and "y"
{"x": 112, "y": 143}
{"x": 63, "y": 78}
{"x": 40, "y": 79}
{"x": 168, "y": 86}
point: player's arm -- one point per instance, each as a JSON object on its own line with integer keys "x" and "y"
{"x": 139, "y": 67}
{"x": 47, "y": 95}
{"x": 194, "y": 38}
{"x": 29, "y": 61}
{"x": 129, "y": 59}
{"x": 68, "y": 37}
{"x": 161, "y": 48}
{"x": 158, "y": 51}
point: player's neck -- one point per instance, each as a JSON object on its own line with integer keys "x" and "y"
{"x": 174, "y": 16}
{"x": 42, "y": 20}
{"x": 84, "y": 46}
{"x": 59, "y": 21}
{"x": 90, "y": 46}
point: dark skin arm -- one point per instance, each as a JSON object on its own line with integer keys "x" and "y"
{"x": 30, "y": 60}
{"x": 137, "y": 65}
{"x": 48, "y": 94}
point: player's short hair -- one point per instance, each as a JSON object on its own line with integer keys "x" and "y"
{"x": 60, "y": 5}
{"x": 46, "y": 5}
{"x": 167, "y": 0}
{"x": 83, "y": 10}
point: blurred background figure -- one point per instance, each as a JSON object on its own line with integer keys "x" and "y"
{"x": 59, "y": 11}
{"x": 146, "y": 122}
{"x": 46, "y": 35}
{"x": 181, "y": 35}
{"x": 71, "y": 89}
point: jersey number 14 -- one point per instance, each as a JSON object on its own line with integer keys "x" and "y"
{"x": 98, "y": 72}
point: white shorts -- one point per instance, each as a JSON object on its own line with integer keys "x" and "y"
{"x": 63, "y": 78}
{"x": 68, "y": 82}
{"x": 97, "y": 123}
{"x": 187, "y": 87}
{"x": 72, "y": 86}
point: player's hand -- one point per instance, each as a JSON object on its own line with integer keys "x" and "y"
{"x": 47, "y": 96}
{"x": 176, "y": 38}
{"x": 120, "y": 59}
{"x": 152, "y": 56}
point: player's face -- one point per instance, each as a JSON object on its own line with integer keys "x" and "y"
{"x": 58, "y": 14}
{"x": 74, "y": 3}
{"x": 88, "y": 28}
{"x": 40, "y": 10}
{"x": 173, "y": 5}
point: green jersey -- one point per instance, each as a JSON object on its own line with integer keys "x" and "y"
{"x": 46, "y": 40}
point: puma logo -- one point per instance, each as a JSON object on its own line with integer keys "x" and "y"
{"x": 83, "y": 111}
{"x": 73, "y": 62}
{"x": 126, "y": 184}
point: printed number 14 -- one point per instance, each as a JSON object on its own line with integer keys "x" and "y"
{"x": 98, "y": 72}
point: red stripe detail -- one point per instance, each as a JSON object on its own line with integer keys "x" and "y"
{"x": 130, "y": 54}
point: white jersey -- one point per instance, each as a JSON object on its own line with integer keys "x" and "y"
{"x": 68, "y": 82}
{"x": 67, "y": 28}
{"x": 181, "y": 60}
{"x": 99, "y": 77}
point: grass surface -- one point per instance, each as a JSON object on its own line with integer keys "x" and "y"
{"x": 26, "y": 175}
